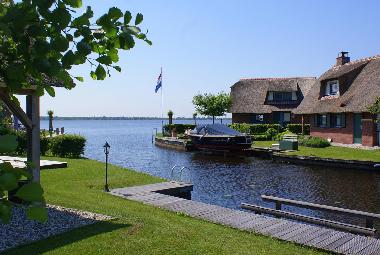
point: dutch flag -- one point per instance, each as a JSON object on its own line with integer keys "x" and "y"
{"x": 159, "y": 82}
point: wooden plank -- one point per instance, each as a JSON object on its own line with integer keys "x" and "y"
{"x": 344, "y": 239}
{"x": 309, "y": 219}
{"x": 355, "y": 245}
{"x": 302, "y": 231}
{"x": 276, "y": 227}
{"x": 337, "y": 235}
{"x": 16, "y": 110}
{"x": 33, "y": 134}
{"x": 373, "y": 249}
{"x": 292, "y": 229}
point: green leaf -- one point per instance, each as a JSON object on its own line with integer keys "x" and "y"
{"x": 93, "y": 75}
{"x": 50, "y": 90}
{"x": 100, "y": 73}
{"x": 127, "y": 17}
{"x": 37, "y": 213}
{"x": 139, "y": 18}
{"x": 42, "y": 65}
{"x": 60, "y": 43}
{"x": 31, "y": 192}
{"x": 84, "y": 48}
{"x": 82, "y": 20}
{"x": 68, "y": 59}
{"x": 8, "y": 181}
{"x": 61, "y": 17}
{"x": 117, "y": 68}
{"x": 132, "y": 30}
{"x": 65, "y": 77}
{"x": 78, "y": 78}
{"x": 115, "y": 13}
{"x": 8, "y": 143}
{"x": 45, "y": 4}
{"x": 148, "y": 41}
{"x": 73, "y": 3}
{"x": 106, "y": 60}
{"x": 5, "y": 211}
{"x": 14, "y": 71}
{"x": 126, "y": 41}
{"x": 113, "y": 54}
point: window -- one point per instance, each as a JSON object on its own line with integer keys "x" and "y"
{"x": 337, "y": 120}
{"x": 286, "y": 116}
{"x": 332, "y": 88}
{"x": 333, "y": 120}
{"x": 322, "y": 120}
{"x": 282, "y": 96}
{"x": 259, "y": 117}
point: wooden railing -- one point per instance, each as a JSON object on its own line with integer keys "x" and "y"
{"x": 278, "y": 212}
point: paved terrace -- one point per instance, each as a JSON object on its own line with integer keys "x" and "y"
{"x": 313, "y": 236}
{"x": 44, "y": 164}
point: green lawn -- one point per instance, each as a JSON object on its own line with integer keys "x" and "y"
{"x": 138, "y": 229}
{"x": 330, "y": 152}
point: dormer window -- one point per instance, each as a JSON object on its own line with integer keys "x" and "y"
{"x": 276, "y": 96}
{"x": 332, "y": 88}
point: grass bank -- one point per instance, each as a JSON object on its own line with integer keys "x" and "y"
{"x": 334, "y": 152}
{"x": 139, "y": 229}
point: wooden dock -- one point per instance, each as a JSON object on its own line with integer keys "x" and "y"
{"x": 313, "y": 236}
{"x": 18, "y": 162}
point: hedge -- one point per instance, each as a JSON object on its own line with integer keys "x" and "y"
{"x": 255, "y": 129}
{"x": 67, "y": 146}
{"x": 180, "y": 128}
{"x": 314, "y": 142}
{"x": 297, "y": 128}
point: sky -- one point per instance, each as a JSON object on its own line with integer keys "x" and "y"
{"x": 207, "y": 46}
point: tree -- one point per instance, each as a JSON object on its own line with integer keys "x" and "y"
{"x": 50, "y": 114}
{"x": 170, "y": 115}
{"x": 41, "y": 41}
{"x": 375, "y": 107}
{"x": 195, "y": 118}
{"x": 212, "y": 105}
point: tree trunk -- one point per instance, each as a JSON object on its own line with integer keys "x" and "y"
{"x": 170, "y": 119}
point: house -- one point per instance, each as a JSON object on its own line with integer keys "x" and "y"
{"x": 268, "y": 100}
{"x": 337, "y": 105}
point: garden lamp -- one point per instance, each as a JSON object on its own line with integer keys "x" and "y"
{"x": 106, "y": 148}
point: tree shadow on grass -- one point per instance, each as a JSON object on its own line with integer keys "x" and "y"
{"x": 66, "y": 238}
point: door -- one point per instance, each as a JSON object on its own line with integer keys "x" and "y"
{"x": 357, "y": 128}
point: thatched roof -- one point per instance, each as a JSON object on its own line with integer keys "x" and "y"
{"x": 250, "y": 95}
{"x": 362, "y": 78}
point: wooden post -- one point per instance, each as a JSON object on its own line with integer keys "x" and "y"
{"x": 303, "y": 124}
{"x": 33, "y": 134}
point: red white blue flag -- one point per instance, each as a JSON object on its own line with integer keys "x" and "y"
{"x": 159, "y": 82}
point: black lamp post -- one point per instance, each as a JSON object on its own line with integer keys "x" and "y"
{"x": 106, "y": 147}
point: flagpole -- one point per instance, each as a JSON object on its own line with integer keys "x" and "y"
{"x": 162, "y": 105}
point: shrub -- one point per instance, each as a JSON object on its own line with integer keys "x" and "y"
{"x": 67, "y": 145}
{"x": 44, "y": 145}
{"x": 271, "y": 132}
{"x": 255, "y": 129}
{"x": 313, "y": 141}
{"x": 262, "y": 128}
{"x": 297, "y": 128}
{"x": 280, "y": 136}
{"x": 241, "y": 127}
{"x": 263, "y": 137}
{"x": 180, "y": 128}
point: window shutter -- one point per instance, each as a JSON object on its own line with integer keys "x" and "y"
{"x": 343, "y": 120}
{"x": 270, "y": 96}
{"x": 294, "y": 95}
{"x": 328, "y": 120}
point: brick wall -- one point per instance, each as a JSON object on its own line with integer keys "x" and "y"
{"x": 346, "y": 135}
{"x": 338, "y": 135}
{"x": 369, "y": 130}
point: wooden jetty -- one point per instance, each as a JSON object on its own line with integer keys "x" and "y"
{"x": 313, "y": 236}
{"x": 21, "y": 162}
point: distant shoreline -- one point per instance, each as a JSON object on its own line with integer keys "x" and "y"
{"x": 122, "y": 118}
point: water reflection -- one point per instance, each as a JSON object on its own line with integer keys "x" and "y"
{"x": 228, "y": 181}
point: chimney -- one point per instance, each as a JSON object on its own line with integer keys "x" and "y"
{"x": 342, "y": 58}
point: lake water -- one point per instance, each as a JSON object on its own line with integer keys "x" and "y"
{"x": 227, "y": 181}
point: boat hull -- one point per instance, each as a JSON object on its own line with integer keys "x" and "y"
{"x": 221, "y": 143}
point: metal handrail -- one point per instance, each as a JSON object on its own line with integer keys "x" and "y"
{"x": 180, "y": 171}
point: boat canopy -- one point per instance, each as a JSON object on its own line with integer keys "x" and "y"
{"x": 214, "y": 129}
